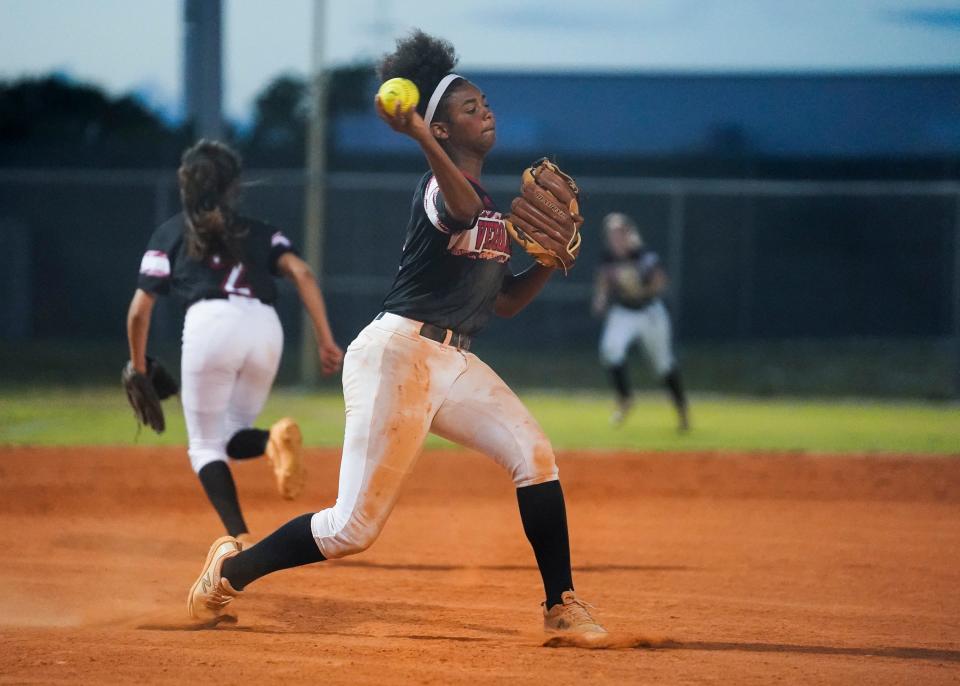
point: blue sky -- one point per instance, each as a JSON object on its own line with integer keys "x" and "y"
{"x": 126, "y": 45}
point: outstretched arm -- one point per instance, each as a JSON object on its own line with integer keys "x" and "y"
{"x": 299, "y": 272}
{"x": 517, "y": 291}
{"x": 138, "y": 328}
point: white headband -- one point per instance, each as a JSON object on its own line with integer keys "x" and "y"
{"x": 438, "y": 94}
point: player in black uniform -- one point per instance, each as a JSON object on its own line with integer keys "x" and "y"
{"x": 222, "y": 265}
{"x": 410, "y": 372}
{"x": 629, "y": 287}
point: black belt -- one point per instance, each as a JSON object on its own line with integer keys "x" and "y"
{"x": 223, "y": 296}
{"x": 439, "y": 334}
{"x": 637, "y": 307}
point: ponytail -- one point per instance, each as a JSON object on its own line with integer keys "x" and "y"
{"x": 208, "y": 175}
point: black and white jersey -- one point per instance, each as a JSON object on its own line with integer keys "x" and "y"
{"x": 167, "y": 268}
{"x": 450, "y": 273}
{"x": 626, "y": 276}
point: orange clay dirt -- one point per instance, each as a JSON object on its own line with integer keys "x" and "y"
{"x": 742, "y": 569}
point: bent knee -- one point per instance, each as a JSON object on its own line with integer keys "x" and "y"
{"x": 338, "y": 547}
{"x": 539, "y": 464}
{"x": 663, "y": 366}
{"x": 359, "y": 540}
{"x": 201, "y": 456}
{"x": 611, "y": 356}
{"x": 353, "y": 538}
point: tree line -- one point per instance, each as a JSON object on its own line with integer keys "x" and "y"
{"x": 55, "y": 121}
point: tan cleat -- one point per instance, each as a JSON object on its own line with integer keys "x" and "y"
{"x": 572, "y": 616}
{"x": 285, "y": 452}
{"x": 211, "y": 593}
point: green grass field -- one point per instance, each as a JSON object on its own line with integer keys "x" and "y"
{"x": 572, "y": 420}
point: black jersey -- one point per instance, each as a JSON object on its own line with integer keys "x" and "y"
{"x": 626, "y": 277}
{"x": 166, "y": 267}
{"x": 450, "y": 273}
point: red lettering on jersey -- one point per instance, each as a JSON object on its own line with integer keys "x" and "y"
{"x": 494, "y": 233}
{"x": 487, "y": 240}
{"x": 480, "y": 234}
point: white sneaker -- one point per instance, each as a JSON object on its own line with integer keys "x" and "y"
{"x": 211, "y": 593}
{"x": 285, "y": 452}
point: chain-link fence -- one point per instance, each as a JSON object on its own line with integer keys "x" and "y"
{"x": 754, "y": 265}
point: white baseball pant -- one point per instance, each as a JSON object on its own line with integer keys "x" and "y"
{"x": 398, "y": 386}
{"x": 231, "y": 352}
{"x": 650, "y": 326}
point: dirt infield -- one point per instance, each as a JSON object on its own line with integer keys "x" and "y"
{"x": 784, "y": 568}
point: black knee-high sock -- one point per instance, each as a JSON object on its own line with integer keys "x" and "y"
{"x": 621, "y": 382}
{"x": 222, "y": 491}
{"x": 674, "y": 384}
{"x": 292, "y": 545}
{"x": 248, "y": 443}
{"x": 544, "y": 517}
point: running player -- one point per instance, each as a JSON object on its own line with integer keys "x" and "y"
{"x": 222, "y": 264}
{"x": 628, "y": 290}
{"x": 410, "y": 372}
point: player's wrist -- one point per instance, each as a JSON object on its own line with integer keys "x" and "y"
{"x": 419, "y": 130}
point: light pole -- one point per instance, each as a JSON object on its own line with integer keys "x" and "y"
{"x": 203, "y": 66}
{"x": 315, "y": 186}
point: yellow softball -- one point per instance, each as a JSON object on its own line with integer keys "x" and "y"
{"x": 398, "y": 90}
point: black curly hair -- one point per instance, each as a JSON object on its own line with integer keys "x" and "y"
{"x": 425, "y": 60}
{"x": 208, "y": 175}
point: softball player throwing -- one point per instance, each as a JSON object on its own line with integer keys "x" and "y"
{"x": 628, "y": 290}
{"x": 222, "y": 266}
{"x": 411, "y": 372}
